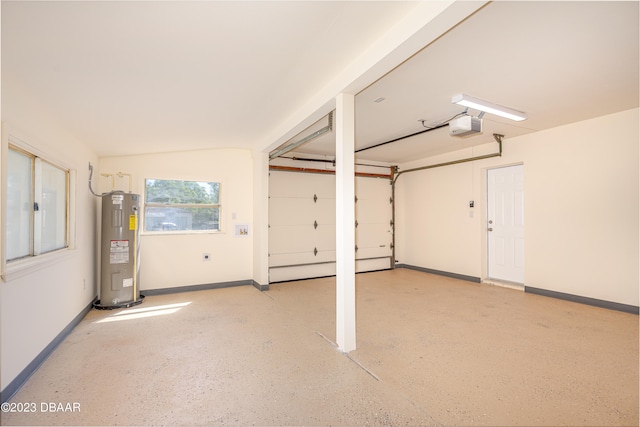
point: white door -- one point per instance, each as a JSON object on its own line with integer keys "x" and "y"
{"x": 505, "y": 223}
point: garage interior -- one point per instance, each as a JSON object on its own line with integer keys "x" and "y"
{"x": 432, "y": 350}
{"x": 403, "y": 259}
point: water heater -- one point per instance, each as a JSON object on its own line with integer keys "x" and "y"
{"x": 120, "y": 251}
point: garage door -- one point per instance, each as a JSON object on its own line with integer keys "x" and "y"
{"x": 302, "y": 225}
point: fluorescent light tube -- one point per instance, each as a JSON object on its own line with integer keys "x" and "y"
{"x": 488, "y": 107}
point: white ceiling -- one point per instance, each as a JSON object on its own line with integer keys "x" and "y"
{"x": 143, "y": 77}
{"x": 130, "y": 77}
{"x": 560, "y": 62}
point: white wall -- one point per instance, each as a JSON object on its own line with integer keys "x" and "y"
{"x": 581, "y": 209}
{"x": 169, "y": 261}
{"x": 37, "y": 306}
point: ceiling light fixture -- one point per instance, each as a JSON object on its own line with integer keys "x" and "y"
{"x": 488, "y": 107}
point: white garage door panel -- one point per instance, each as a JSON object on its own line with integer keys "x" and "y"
{"x": 322, "y": 270}
{"x": 279, "y": 260}
{"x": 373, "y": 235}
{"x": 292, "y": 236}
{"x": 326, "y": 236}
{"x": 292, "y": 239}
{"x": 297, "y": 211}
{"x": 368, "y": 210}
{"x": 301, "y": 238}
{"x": 290, "y": 211}
{"x": 303, "y": 272}
{"x": 364, "y": 253}
{"x": 372, "y": 265}
{"x": 291, "y": 184}
{"x": 367, "y": 186}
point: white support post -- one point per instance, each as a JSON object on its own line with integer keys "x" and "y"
{"x": 345, "y": 223}
{"x": 260, "y": 219}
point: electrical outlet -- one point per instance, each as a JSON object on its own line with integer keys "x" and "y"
{"x": 206, "y": 257}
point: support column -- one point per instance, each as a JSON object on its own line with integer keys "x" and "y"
{"x": 260, "y": 220}
{"x": 345, "y": 223}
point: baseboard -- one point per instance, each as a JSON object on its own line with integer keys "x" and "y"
{"x": 584, "y": 300}
{"x": 440, "y": 273}
{"x": 544, "y": 292}
{"x": 191, "y": 288}
{"x": 260, "y": 287}
{"x": 32, "y": 367}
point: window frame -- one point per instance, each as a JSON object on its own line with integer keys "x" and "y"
{"x": 18, "y": 267}
{"x": 147, "y": 204}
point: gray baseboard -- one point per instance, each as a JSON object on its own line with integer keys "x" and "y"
{"x": 584, "y": 300}
{"x": 440, "y": 273}
{"x": 544, "y": 292}
{"x": 260, "y": 287}
{"x": 191, "y": 288}
{"x": 32, "y": 367}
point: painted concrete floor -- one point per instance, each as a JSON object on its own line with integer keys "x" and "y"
{"x": 431, "y": 351}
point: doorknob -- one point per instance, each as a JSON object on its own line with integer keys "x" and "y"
{"x": 490, "y": 221}
{"x": 490, "y": 229}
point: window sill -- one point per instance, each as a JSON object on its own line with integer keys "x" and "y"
{"x": 23, "y": 267}
{"x": 180, "y": 232}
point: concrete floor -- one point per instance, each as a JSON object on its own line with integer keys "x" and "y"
{"x": 431, "y": 351}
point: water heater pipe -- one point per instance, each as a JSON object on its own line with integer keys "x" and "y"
{"x": 128, "y": 175}
{"x": 135, "y": 255}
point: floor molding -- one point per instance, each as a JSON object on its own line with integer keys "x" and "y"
{"x": 584, "y": 300}
{"x": 440, "y": 273}
{"x": 15, "y": 385}
{"x": 191, "y": 288}
{"x": 529, "y": 289}
{"x": 260, "y": 287}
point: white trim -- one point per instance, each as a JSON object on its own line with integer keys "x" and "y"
{"x": 22, "y": 267}
{"x": 4, "y": 152}
{"x": 21, "y": 143}
{"x": 37, "y": 200}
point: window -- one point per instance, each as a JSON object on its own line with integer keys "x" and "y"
{"x": 37, "y": 205}
{"x": 178, "y": 206}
